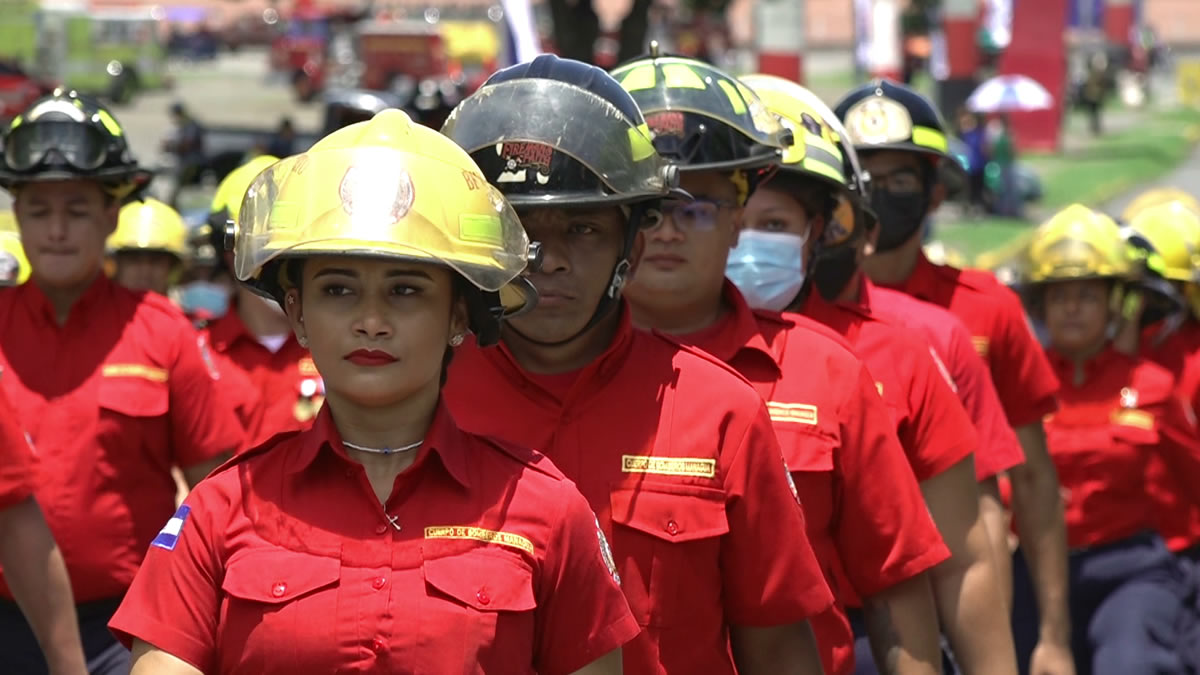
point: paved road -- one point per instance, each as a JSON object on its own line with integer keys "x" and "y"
{"x": 232, "y": 90}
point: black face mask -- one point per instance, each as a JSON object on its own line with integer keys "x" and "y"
{"x": 832, "y": 270}
{"x": 900, "y": 215}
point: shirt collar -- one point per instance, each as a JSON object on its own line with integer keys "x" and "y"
{"x": 593, "y": 376}
{"x": 923, "y": 282}
{"x": 227, "y": 330}
{"x": 1064, "y": 367}
{"x": 736, "y": 331}
{"x": 40, "y": 305}
{"x": 444, "y": 440}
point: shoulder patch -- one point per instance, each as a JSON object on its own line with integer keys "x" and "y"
{"x": 606, "y": 552}
{"x": 981, "y": 343}
{"x": 168, "y": 536}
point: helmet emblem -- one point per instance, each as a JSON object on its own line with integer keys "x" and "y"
{"x": 377, "y": 193}
{"x": 876, "y": 120}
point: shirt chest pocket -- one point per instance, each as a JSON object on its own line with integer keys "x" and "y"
{"x": 278, "y": 609}
{"x": 475, "y": 599}
{"x": 133, "y": 410}
{"x": 667, "y": 546}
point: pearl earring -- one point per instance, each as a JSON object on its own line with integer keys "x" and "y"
{"x": 456, "y": 340}
{"x": 303, "y": 341}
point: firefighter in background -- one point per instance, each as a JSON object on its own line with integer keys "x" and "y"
{"x": 901, "y": 142}
{"x": 1174, "y": 232}
{"x": 112, "y": 385}
{"x": 1157, "y": 196}
{"x": 1116, "y": 414}
{"x": 253, "y": 334}
{"x": 149, "y": 246}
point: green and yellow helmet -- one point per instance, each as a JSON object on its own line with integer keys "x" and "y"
{"x": 819, "y": 151}
{"x": 386, "y": 188}
{"x": 700, "y": 117}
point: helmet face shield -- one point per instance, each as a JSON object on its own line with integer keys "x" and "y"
{"x": 49, "y": 144}
{"x": 380, "y": 202}
{"x": 550, "y": 125}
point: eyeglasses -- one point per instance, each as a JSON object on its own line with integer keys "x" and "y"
{"x": 697, "y": 215}
{"x": 79, "y": 146}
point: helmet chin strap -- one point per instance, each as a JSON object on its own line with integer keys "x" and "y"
{"x": 612, "y": 295}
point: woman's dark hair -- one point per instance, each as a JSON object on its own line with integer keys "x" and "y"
{"x": 460, "y": 290}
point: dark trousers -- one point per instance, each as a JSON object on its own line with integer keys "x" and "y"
{"x": 864, "y": 660}
{"x": 1129, "y": 605}
{"x": 21, "y": 655}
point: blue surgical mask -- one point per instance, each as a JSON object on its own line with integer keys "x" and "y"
{"x": 768, "y": 268}
{"x": 204, "y": 297}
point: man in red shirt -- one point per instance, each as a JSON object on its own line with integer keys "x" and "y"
{"x": 1173, "y": 230}
{"x": 254, "y": 337}
{"x": 112, "y": 384}
{"x": 29, "y": 555}
{"x": 899, "y": 138}
{"x": 673, "y": 450}
{"x": 932, "y": 427}
{"x": 864, "y": 510}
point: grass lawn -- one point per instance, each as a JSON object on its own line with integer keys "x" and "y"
{"x": 1092, "y": 173}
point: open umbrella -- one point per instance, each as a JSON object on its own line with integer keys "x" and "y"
{"x": 1009, "y": 93}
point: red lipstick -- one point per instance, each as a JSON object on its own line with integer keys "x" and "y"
{"x": 370, "y": 357}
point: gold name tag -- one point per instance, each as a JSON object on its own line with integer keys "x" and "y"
{"x": 134, "y": 370}
{"x": 480, "y": 534}
{"x": 981, "y": 343}
{"x": 669, "y": 466}
{"x": 796, "y": 413}
{"x": 1139, "y": 419}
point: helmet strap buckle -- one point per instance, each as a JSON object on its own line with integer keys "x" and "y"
{"x": 619, "y": 277}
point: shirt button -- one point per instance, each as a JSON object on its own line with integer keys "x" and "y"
{"x": 279, "y": 589}
{"x": 378, "y": 645}
{"x": 672, "y": 527}
{"x": 378, "y": 583}
{"x": 380, "y": 529}
{"x": 483, "y": 597}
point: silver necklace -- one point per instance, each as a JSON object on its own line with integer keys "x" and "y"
{"x": 383, "y": 451}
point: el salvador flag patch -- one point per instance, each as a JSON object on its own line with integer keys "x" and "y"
{"x": 169, "y": 535}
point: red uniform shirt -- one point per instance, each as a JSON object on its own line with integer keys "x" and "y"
{"x": 999, "y": 450}
{"x": 1024, "y": 380}
{"x": 1103, "y": 437}
{"x": 484, "y": 559}
{"x": 236, "y": 390}
{"x": 932, "y": 425}
{"x": 112, "y": 400}
{"x": 17, "y": 462}
{"x": 289, "y": 389}
{"x": 1179, "y": 518}
{"x": 866, "y": 518}
{"x": 675, "y": 453}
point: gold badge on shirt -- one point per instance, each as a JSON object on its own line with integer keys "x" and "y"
{"x": 669, "y": 466}
{"x": 796, "y": 413}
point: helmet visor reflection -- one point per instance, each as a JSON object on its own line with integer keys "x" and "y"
{"x": 40, "y": 144}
